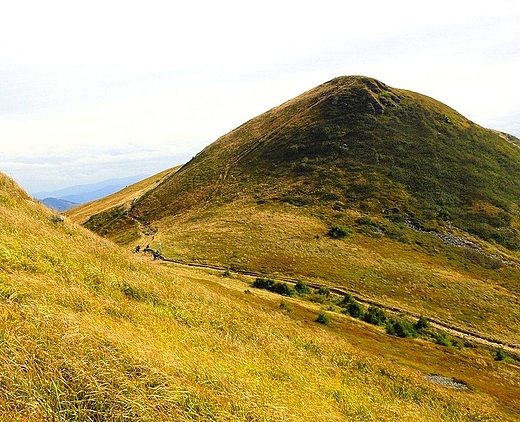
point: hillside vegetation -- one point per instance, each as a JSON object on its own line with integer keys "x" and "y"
{"x": 91, "y": 332}
{"x": 354, "y": 143}
{"x": 427, "y": 202}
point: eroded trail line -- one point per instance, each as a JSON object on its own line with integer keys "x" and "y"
{"x": 440, "y": 325}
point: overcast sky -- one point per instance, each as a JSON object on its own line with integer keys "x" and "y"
{"x": 93, "y": 90}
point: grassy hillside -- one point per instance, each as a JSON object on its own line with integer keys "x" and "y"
{"x": 355, "y": 143}
{"x": 428, "y": 201}
{"x": 91, "y": 332}
{"x": 123, "y": 228}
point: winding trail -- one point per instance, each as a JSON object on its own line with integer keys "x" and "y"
{"x": 440, "y": 325}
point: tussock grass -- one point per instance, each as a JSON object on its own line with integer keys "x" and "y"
{"x": 89, "y": 332}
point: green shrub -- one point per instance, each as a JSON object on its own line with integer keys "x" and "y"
{"x": 324, "y": 291}
{"x": 272, "y": 286}
{"x": 301, "y": 288}
{"x": 355, "y": 310}
{"x": 347, "y": 299}
{"x": 324, "y": 319}
{"x": 226, "y": 273}
{"x": 443, "y": 339}
{"x": 422, "y": 323}
{"x": 400, "y": 327}
{"x": 283, "y": 289}
{"x": 263, "y": 283}
{"x": 500, "y": 354}
{"x": 375, "y": 316}
{"x": 338, "y": 232}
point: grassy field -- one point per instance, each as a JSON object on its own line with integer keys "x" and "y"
{"x": 90, "y": 331}
{"x": 425, "y": 211}
{"x": 447, "y": 284}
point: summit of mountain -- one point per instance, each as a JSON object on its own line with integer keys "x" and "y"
{"x": 356, "y": 143}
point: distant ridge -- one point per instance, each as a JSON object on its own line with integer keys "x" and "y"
{"x": 59, "y": 205}
{"x": 66, "y": 198}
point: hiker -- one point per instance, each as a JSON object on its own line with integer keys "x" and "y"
{"x": 137, "y": 249}
{"x": 156, "y": 255}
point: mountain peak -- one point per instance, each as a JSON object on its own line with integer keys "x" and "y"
{"x": 354, "y": 143}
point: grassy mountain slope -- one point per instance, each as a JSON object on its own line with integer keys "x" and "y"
{"x": 429, "y": 198}
{"x": 124, "y": 229}
{"x": 356, "y": 143}
{"x": 89, "y": 331}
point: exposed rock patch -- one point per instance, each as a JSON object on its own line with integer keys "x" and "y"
{"x": 452, "y": 240}
{"x": 446, "y": 381}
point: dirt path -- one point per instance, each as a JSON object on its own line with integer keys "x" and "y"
{"x": 450, "y": 329}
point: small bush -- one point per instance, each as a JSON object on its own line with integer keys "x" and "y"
{"x": 324, "y": 291}
{"x": 226, "y": 273}
{"x": 263, "y": 283}
{"x": 338, "y": 232}
{"x": 272, "y": 286}
{"x": 443, "y": 339}
{"x": 283, "y": 289}
{"x": 375, "y": 316}
{"x": 500, "y": 354}
{"x": 347, "y": 299}
{"x": 422, "y": 323}
{"x": 301, "y": 288}
{"x": 400, "y": 327}
{"x": 324, "y": 319}
{"x": 355, "y": 310}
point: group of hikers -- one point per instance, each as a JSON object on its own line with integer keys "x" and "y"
{"x": 155, "y": 253}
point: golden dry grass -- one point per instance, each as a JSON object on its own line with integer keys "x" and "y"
{"x": 287, "y": 241}
{"x": 93, "y": 332}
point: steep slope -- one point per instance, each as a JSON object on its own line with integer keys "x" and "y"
{"x": 91, "y": 332}
{"x": 357, "y": 143}
{"x": 124, "y": 227}
{"x": 429, "y": 201}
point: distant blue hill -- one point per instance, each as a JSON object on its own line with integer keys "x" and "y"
{"x": 63, "y": 199}
{"x": 59, "y": 205}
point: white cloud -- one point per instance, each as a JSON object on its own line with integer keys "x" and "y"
{"x": 87, "y": 87}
